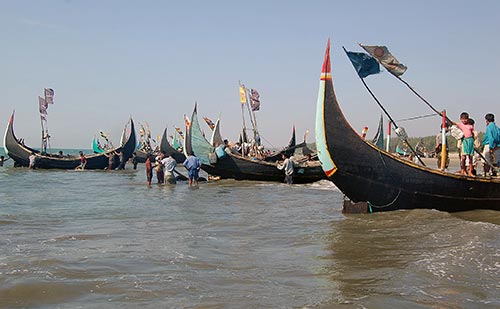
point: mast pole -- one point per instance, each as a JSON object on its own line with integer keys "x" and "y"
{"x": 420, "y": 97}
{"x": 388, "y": 116}
{"x": 388, "y": 137}
{"x": 392, "y": 121}
{"x": 443, "y": 142}
{"x": 256, "y": 130}
{"x": 250, "y": 113}
{"x": 440, "y": 114}
{"x": 243, "y": 119}
{"x": 43, "y": 133}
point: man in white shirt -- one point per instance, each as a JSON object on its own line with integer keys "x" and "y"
{"x": 169, "y": 163}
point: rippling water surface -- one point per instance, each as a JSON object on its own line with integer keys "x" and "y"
{"x": 98, "y": 239}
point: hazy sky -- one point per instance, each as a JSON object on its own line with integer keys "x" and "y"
{"x": 108, "y": 60}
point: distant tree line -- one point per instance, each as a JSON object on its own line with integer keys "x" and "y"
{"x": 427, "y": 142}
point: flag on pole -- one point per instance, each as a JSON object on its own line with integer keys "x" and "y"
{"x": 102, "y": 134}
{"x": 49, "y": 95}
{"x": 254, "y": 100}
{"x": 382, "y": 54}
{"x": 42, "y": 103}
{"x": 142, "y": 131}
{"x": 243, "y": 95}
{"x": 363, "y": 63}
{"x": 187, "y": 121}
{"x": 209, "y": 122}
{"x": 179, "y": 131}
{"x": 148, "y": 131}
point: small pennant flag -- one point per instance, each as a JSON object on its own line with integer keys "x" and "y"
{"x": 254, "y": 100}
{"x": 209, "y": 122}
{"x": 179, "y": 131}
{"x": 49, "y": 95}
{"x": 243, "y": 95}
{"x": 382, "y": 54}
{"x": 187, "y": 121}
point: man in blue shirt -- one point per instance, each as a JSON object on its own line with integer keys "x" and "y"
{"x": 193, "y": 165}
{"x": 491, "y": 140}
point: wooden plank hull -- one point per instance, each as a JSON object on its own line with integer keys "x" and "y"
{"x": 141, "y": 156}
{"x": 365, "y": 173}
{"x": 20, "y": 153}
{"x": 242, "y": 168}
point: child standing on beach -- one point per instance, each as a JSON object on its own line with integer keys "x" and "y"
{"x": 467, "y": 143}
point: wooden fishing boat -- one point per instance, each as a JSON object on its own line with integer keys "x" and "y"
{"x": 235, "y": 166}
{"x": 142, "y": 155}
{"x": 288, "y": 150}
{"x": 20, "y": 153}
{"x": 168, "y": 149}
{"x": 365, "y": 173}
{"x": 147, "y": 145}
{"x": 96, "y": 146}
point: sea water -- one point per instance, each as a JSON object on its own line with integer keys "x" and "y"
{"x": 99, "y": 239}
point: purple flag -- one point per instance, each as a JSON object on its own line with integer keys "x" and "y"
{"x": 254, "y": 100}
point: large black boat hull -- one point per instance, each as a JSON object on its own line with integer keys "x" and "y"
{"x": 241, "y": 168}
{"x": 365, "y": 173}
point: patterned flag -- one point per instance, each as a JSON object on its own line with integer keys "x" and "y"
{"x": 254, "y": 100}
{"x": 102, "y": 134}
{"x": 179, "y": 131}
{"x": 363, "y": 63}
{"x": 243, "y": 95}
{"x": 209, "y": 122}
{"x": 49, "y": 95}
{"x": 42, "y": 106}
{"x": 382, "y": 54}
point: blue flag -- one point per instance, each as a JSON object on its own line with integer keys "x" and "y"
{"x": 364, "y": 64}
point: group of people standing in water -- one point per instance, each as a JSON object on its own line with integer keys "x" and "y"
{"x": 164, "y": 167}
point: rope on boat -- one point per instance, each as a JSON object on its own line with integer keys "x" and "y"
{"x": 382, "y": 159}
{"x": 267, "y": 141}
{"x": 386, "y": 205}
{"x": 416, "y": 117}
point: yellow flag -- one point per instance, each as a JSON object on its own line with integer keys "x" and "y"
{"x": 243, "y": 95}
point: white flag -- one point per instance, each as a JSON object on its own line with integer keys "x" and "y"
{"x": 382, "y": 54}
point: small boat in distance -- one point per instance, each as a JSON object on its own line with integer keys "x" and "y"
{"x": 20, "y": 153}
{"x": 365, "y": 173}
